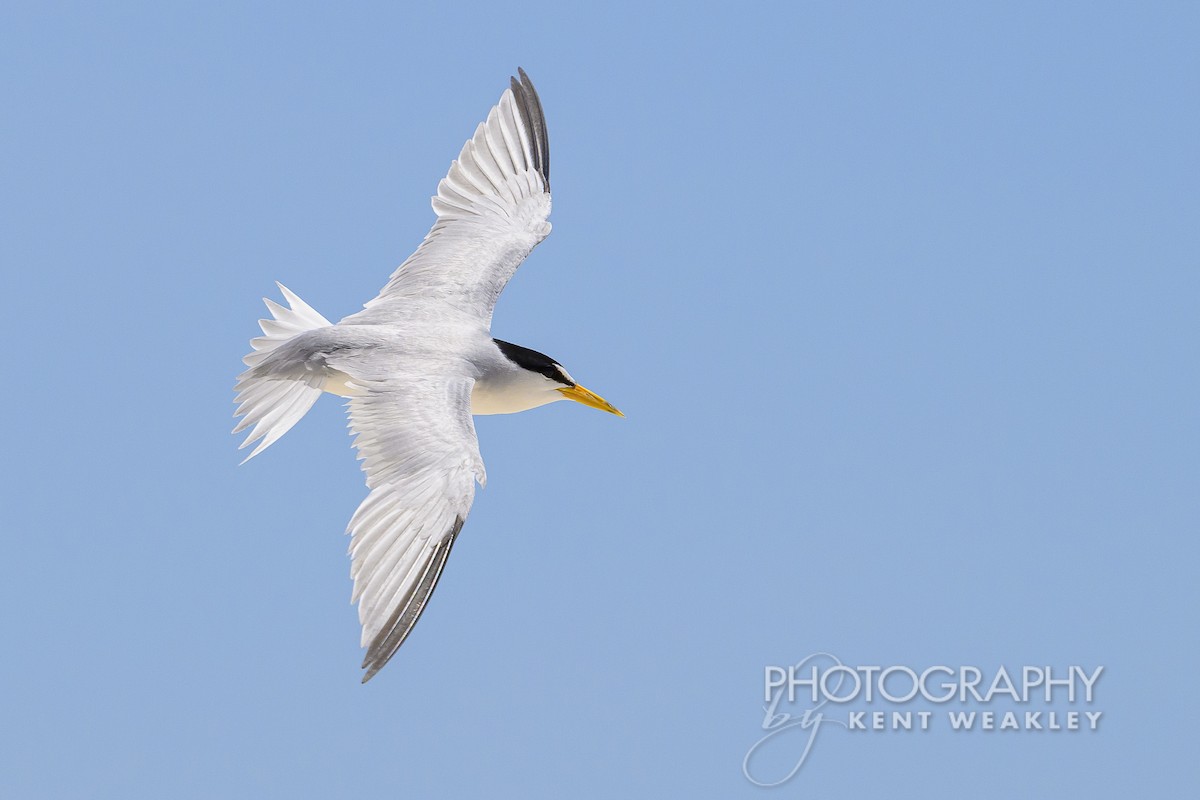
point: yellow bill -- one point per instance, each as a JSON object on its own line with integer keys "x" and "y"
{"x": 589, "y": 399}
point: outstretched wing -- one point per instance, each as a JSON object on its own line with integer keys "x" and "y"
{"x": 418, "y": 445}
{"x": 491, "y": 208}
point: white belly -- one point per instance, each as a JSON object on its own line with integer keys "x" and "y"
{"x": 501, "y": 389}
{"x": 340, "y": 383}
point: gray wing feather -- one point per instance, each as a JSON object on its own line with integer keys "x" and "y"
{"x": 530, "y": 107}
{"x": 404, "y": 619}
{"x": 492, "y": 210}
{"x": 417, "y": 442}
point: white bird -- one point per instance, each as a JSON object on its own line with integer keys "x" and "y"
{"x": 416, "y": 363}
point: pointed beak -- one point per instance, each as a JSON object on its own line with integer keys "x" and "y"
{"x": 589, "y": 399}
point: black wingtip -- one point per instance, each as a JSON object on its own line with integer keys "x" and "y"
{"x": 529, "y": 106}
{"x": 409, "y": 610}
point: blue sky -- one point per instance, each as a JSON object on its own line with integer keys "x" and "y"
{"x": 900, "y": 300}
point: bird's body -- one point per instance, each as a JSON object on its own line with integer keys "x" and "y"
{"x": 416, "y": 363}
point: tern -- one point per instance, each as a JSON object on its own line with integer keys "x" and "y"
{"x": 416, "y": 363}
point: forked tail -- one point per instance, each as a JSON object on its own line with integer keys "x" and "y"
{"x": 270, "y": 402}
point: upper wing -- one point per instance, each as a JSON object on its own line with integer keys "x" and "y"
{"x": 491, "y": 209}
{"x": 418, "y": 445}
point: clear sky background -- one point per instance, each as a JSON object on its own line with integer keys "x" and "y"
{"x": 901, "y": 301}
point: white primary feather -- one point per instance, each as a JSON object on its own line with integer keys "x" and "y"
{"x": 418, "y": 446}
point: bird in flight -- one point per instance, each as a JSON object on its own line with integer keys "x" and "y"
{"x": 416, "y": 363}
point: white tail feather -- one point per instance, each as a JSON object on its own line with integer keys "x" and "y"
{"x": 273, "y": 404}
